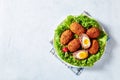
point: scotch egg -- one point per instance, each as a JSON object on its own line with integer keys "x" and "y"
{"x": 81, "y": 54}
{"x": 85, "y": 41}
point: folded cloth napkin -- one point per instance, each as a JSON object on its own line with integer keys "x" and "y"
{"x": 75, "y": 70}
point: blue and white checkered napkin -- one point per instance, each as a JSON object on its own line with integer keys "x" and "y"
{"x": 75, "y": 70}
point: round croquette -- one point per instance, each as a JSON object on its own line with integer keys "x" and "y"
{"x": 66, "y": 37}
{"x": 77, "y": 28}
{"x": 93, "y": 32}
{"x": 74, "y": 45}
{"x": 94, "y": 47}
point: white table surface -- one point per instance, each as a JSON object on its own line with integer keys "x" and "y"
{"x": 27, "y": 26}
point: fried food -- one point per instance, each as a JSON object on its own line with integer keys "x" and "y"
{"x": 94, "y": 47}
{"x": 66, "y": 37}
{"x": 77, "y": 28}
{"x": 81, "y": 54}
{"x": 93, "y": 32}
{"x": 85, "y": 41}
{"x": 74, "y": 45}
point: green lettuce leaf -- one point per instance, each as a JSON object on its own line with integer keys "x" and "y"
{"x": 86, "y": 22}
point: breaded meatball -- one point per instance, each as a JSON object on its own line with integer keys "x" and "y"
{"x": 94, "y": 47}
{"x": 74, "y": 45}
{"x": 77, "y": 28}
{"x": 93, "y": 32}
{"x": 66, "y": 37}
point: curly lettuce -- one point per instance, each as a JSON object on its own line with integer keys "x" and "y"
{"x": 86, "y": 22}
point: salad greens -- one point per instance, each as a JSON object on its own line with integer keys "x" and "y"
{"x": 86, "y": 22}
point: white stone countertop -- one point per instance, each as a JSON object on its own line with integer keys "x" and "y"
{"x": 27, "y": 26}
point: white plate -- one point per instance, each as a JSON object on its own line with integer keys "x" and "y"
{"x": 101, "y": 28}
